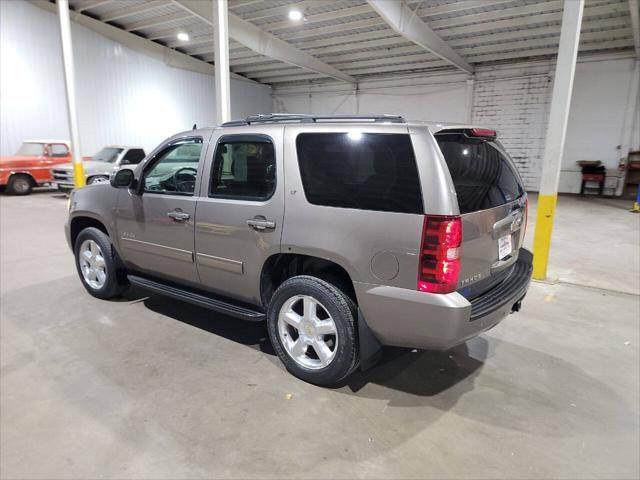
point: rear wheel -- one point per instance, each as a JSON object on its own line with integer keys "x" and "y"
{"x": 97, "y": 265}
{"x": 20, "y": 185}
{"x": 98, "y": 179}
{"x": 313, "y": 330}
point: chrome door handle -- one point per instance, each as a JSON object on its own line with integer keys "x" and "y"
{"x": 260, "y": 223}
{"x": 513, "y": 221}
{"x": 179, "y": 216}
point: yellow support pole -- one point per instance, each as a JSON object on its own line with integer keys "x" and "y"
{"x": 556, "y": 132}
{"x": 542, "y": 236}
{"x": 78, "y": 174}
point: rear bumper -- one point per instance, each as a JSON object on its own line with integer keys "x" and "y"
{"x": 408, "y": 318}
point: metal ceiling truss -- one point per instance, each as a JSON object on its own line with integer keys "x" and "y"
{"x": 262, "y": 42}
{"x": 353, "y": 42}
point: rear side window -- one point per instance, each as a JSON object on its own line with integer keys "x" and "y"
{"x": 483, "y": 177}
{"x": 367, "y": 171}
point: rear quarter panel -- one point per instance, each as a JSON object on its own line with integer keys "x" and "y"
{"x": 351, "y": 238}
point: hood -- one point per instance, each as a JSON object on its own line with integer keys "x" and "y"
{"x": 16, "y": 161}
{"x": 89, "y": 167}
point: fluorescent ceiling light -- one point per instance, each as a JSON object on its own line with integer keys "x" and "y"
{"x": 295, "y": 15}
{"x": 183, "y": 37}
{"x": 355, "y": 136}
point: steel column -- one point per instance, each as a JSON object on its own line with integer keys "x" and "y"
{"x": 69, "y": 79}
{"x": 221, "y": 48}
{"x": 556, "y": 133}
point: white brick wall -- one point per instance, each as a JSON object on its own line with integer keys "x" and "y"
{"x": 518, "y": 109}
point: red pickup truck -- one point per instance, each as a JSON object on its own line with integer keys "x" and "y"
{"x": 31, "y": 165}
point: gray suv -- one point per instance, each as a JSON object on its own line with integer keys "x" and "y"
{"x": 343, "y": 233}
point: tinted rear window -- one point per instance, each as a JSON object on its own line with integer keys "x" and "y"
{"x": 368, "y": 171}
{"x": 483, "y": 177}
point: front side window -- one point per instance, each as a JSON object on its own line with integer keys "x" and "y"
{"x": 58, "y": 150}
{"x": 174, "y": 170}
{"x": 244, "y": 168}
{"x": 367, "y": 171}
{"x": 107, "y": 154}
{"x": 30, "y": 149}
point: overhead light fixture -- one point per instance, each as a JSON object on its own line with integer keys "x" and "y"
{"x": 355, "y": 136}
{"x": 183, "y": 37}
{"x": 295, "y": 15}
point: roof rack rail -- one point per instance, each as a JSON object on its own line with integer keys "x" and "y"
{"x": 300, "y": 118}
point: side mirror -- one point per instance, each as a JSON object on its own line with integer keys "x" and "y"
{"x": 123, "y": 178}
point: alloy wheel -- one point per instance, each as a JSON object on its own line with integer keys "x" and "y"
{"x": 92, "y": 264}
{"x": 307, "y": 332}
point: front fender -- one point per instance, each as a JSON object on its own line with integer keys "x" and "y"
{"x": 95, "y": 202}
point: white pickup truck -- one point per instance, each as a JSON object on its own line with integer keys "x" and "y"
{"x": 100, "y": 167}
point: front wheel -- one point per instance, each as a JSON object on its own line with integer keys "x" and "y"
{"x": 20, "y": 185}
{"x": 97, "y": 265}
{"x": 312, "y": 328}
{"x": 98, "y": 179}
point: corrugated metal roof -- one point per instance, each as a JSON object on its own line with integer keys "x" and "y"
{"x": 349, "y": 34}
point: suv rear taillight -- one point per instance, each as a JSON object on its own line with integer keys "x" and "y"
{"x": 440, "y": 255}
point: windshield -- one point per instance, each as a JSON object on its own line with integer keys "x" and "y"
{"x": 30, "y": 149}
{"x": 108, "y": 154}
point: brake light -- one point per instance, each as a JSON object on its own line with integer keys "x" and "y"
{"x": 484, "y": 132}
{"x": 440, "y": 254}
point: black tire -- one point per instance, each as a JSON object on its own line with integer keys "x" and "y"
{"x": 114, "y": 284}
{"x": 20, "y": 184}
{"x": 343, "y": 312}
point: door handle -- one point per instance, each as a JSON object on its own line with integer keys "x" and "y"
{"x": 179, "y": 216}
{"x": 260, "y": 223}
{"x": 513, "y": 221}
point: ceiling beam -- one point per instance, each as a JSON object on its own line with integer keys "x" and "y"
{"x": 413, "y": 54}
{"x": 635, "y": 23}
{"x": 409, "y": 25}
{"x": 270, "y": 11}
{"x": 459, "y": 6}
{"x": 192, "y": 42}
{"x": 88, "y": 5}
{"x": 154, "y": 50}
{"x": 529, "y": 25}
{"x": 155, "y": 21}
{"x": 192, "y": 30}
{"x": 127, "y": 12}
{"x": 263, "y": 42}
{"x": 318, "y": 17}
{"x": 310, "y": 31}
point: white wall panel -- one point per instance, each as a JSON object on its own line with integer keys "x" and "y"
{"x": 602, "y": 94}
{"x": 442, "y": 98}
{"x": 123, "y": 96}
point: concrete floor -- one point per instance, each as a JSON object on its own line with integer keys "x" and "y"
{"x": 151, "y": 388}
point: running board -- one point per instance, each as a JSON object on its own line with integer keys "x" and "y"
{"x": 220, "y": 306}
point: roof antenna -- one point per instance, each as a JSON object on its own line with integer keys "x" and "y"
{"x": 195, "y": 127}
